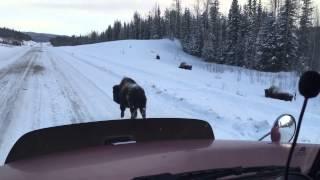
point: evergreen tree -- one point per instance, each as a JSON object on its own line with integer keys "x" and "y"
{"x": 186, "y": 26}
{"x": 215, "y": 23}
{"x": 132, "y": 31}
{"x": 163, "y": 28}
{"x": 156, "y": 32}
{"x": 195, "y": 42}
{"x": 177, "y": 19}
{"x": 233, "y": 29}
{"x": 124, "y": 31}
{"x": 167, "y": 24}
{"x": 243, "y": 38}
{"x": 109, "y": 33}
{"x": 287, "y": 46}
{"x": 148, "y": 24}
{"x": 205, "y": 18}
{"x": 127, "y": 31}
{"x": 136, "y": 26}
{"x": 266, "y": 58}
{"x": 254, "y": 8}
{"x": 315, "y": 43}
{"x": 213, "y": 44}
{"x": 208, "y": 51}
{"x": 103, "y": 36}
{"x": 304, "y": 35}
{"x": 249, "y": 35}
{"x": 259, "y": 17}
{"x": 224, "y": 39}
{"x": 116, "y": 30}
{"x": 93, "y": 36}
{"x": 10, "y": 33}
{"x": 186, "y": 23}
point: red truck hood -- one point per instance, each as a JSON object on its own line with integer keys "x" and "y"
{"x": 141, "y": 159}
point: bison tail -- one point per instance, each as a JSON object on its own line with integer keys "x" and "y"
{"x": 116, "y": 94}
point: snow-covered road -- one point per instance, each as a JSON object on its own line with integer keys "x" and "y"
{"x": 40, "y": 89}
{"x": 42, "y": 86}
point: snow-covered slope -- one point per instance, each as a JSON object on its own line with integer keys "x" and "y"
{"x": 231, "y": 99}
{"x": 43, "y": 86}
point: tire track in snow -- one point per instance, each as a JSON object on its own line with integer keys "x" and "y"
{"x": 9, "y": 95}
{"x": 100, "y": 68}
{"x": 4, "y": 78}
{"x": 38, "y": 96}
{"x": 13, "y": 57}
{"x": 100, "y": 93}
{"x": 79, "y": 110}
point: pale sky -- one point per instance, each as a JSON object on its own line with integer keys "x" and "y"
{"x": 77, "y": 16}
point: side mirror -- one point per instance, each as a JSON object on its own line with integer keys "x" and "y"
{"x": 283, "y": 129}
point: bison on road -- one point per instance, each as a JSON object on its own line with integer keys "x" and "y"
{"x": 128, "y": 94}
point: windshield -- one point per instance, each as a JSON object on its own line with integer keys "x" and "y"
{"x": 235, "y": 64}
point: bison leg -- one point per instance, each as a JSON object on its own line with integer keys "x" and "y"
{"x": 122, "y": 108}
{"x": 134, "y": 113}
{"x": 143, "y": 112}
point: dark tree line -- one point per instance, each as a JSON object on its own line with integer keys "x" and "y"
{"x": 13, "y": 37}
{"x": 284, "y": 38}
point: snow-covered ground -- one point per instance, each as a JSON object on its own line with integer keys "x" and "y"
{"x": 42, "y": 86}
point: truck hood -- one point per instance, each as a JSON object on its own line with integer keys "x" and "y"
{"x": 147, "y": 158}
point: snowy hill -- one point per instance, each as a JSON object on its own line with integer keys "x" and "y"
{"x": 44, "y": 86}
{"x": 40, "y": 37}
{"x": 230, "y": 98}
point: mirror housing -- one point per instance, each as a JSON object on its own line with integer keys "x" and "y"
{"x": 283, "y": 129}
{"x": 309, "y": 84}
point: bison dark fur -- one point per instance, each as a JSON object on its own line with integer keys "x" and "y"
{"x": 186, "y": 66}
{"x": 116, "y": 91}
{"x": 275, "y": 94}
{"x": 130, "y": 95}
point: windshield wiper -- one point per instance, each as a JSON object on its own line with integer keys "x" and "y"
{"x": 219, "y": 173}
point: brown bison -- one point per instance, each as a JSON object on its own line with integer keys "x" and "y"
{"x": 275, "y": 93}
{"x": 128, "y": 94}
{"x": 186, "y": 66}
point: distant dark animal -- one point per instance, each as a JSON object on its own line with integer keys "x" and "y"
{"x": 186, "y": 66}
{"x": 158, "y": 57}
{"x": 275, "y": 93}
{"x": 130, "y": 95}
